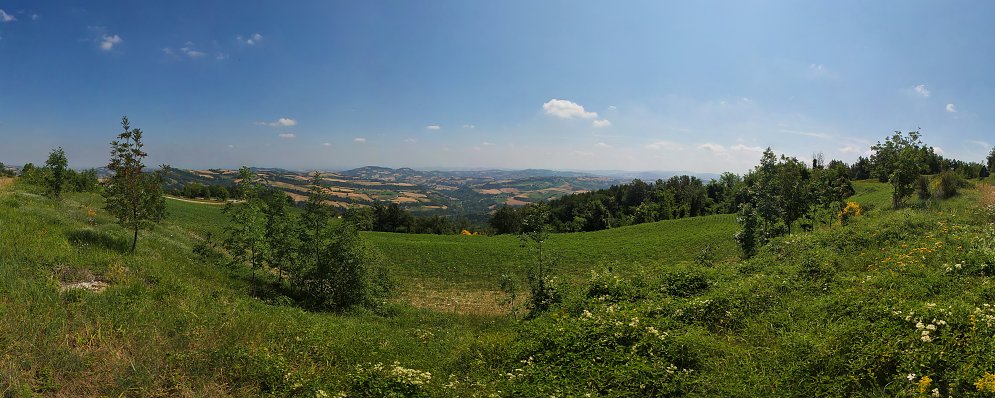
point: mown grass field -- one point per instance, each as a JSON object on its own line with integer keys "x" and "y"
{"x": 898, "y": 303}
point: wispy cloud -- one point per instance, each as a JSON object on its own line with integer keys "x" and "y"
{"x": 469, "y": 126}
{"x": 601, "y": 123}
{"x": 251, "y": 40}
{"x": 950, "y": 108}
{"x": 664, "y": 145}
{"x": 983, "y": 144}
{"x": 485, "y": 143}
{"x": 281, "y": 122}
{"x": 35, "y": 17}
{"x": 410, "y": 140}
{"x": 327, "y": 144}
{"x": 567, "y": 110}
{"x": 433, "y": 127}
{"x": 107, "y": 42}
{"x": 604, "y": 145}
{"x": 287, "y": 136}
{"x": 921, "y": 90}
{"x": 359, "y": 140}
{"x": 5, "y": 17}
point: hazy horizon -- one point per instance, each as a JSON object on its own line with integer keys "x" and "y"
{"x": 639, "y": 86}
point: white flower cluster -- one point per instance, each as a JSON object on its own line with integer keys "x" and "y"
{"x": 986, "y": 314}
{"x": 398, "y": 373}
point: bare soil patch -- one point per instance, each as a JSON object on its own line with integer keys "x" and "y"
{"x": 79, "y": 278}
{"x": 460, "y": 301}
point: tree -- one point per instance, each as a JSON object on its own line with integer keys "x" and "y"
{"x": 246, "y": 232}
{"x": 831, "y": 186}
{"x": 991, "y": 161}
{"x": 57, "y": 176}
{"x": 133, "y": 196}
{"x": 900, "y": 159}
{"x": 282, "y": 234}
{"x": 793, "y": 191}
{"x": 535, "y": 232}
{"x": 506, "y": 220}
{"x": 315, "y": 220}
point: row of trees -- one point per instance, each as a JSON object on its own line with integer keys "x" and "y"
{"x": 391, "y": 217}
{"x": 324, "y": 262}
{"x": 633, "y": 203}
{"x": 782, "y": 191}
{"x": 56, "y": 176}
{"x": 196, "y": 190}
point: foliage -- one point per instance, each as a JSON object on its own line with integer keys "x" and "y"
{"x": 245, "y": 234}
{"x": 991, "y": 161}
{"x": 506, "y": 220}
{"x": 393, "y": 381}
{"x": 56, "y": 180}
{"x": 900, "y": 159}
{"x": 535, "y": 231}
{"x": 132, "y": 196}
{"x": 749, "y": 237}
{"x": 849, "y": 212}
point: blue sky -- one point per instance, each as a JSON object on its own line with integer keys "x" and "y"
{"x": 654, "y": 85}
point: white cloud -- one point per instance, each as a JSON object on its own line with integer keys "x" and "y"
{"x": 850, "y": 148}
{"x": 938, "y": 150}
{"x": 485, "y": 143}
{"x": 168, "y": 51}
{"x": 327, "y": 144}
{"x": 604, "y": 145}
{"x": 612, "y": 107}
{"x": 816, "y": 68}
{"x": 410, "y": 140}
{"x": 469, "y": 126}
{"x": 359, "y": 140}
{"x": 433, "y": 127}
{"x": 221, "y": 56}
{"x": 716, "y": 148}
{"x": 601, "y": 123}
{"x": 950, "y": 108}
{"x": 232, "y": 146}
{"x": 567, "y": 110}
{"x": 744, "y": 148}
{"x": 252, "y": 40}
{"x": 5, "y": 17}
{"x": 287, "y": 135}
{"x": 665, "y": 145}
{"x": 107, "y": 43}
{"x": 921, "y": 90}
{"x": 34, "y": 17}
{"x": 281, "y": 122}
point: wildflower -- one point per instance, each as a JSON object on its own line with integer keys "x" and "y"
{"x": 936, "y": 393}
{"x": 986, "y": 383}
{"x": 920, "y": 326}
{"x": 911, "y": 377}
{"x": 931, "y": 327}
{"x": 924, "y": 384}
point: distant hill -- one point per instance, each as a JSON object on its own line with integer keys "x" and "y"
{"x": 463, "y": 192}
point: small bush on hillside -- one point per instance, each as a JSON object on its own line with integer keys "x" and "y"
{"x": 379, "y": 380}
{"x": 923, "y": 189}
{"x": 947, "y": 183}
{"x": 851, "y": 210}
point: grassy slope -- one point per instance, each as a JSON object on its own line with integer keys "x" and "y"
{"x": 169, "y": 325}
{"x": 796, "y": 320}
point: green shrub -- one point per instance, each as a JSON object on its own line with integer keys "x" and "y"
{"x": 379, "y": 380}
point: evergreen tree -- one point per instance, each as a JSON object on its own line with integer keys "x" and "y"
{"x": 133, "y": 196}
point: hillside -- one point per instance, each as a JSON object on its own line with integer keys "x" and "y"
{"x": 445, "y": 192}
{"x": 894, "y": 304}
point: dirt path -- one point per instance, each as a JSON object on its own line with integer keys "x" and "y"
{"x": 197, "y": 201}
{"x": 987, "y": 192}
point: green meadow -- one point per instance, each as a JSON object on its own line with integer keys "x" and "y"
{"x": 897, "y": 303}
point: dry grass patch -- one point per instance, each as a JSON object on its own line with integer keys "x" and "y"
{"x": 456, "y": 300}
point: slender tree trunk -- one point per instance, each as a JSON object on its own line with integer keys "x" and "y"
{"x": 134, "y": 240}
